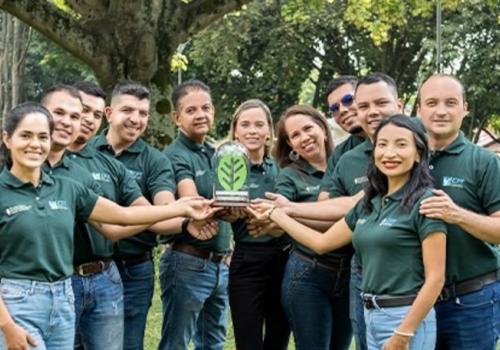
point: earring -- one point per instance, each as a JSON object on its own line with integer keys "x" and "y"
{"x": 294, "y": 156}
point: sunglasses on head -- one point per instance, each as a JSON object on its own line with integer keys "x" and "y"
{"x": 346, "y": 101}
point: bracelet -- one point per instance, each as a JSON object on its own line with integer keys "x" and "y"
{"x": 404, "y": 334}
{"x": 270, "y": 212}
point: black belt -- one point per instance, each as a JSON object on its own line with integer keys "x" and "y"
{"x": 371, "y": 301}
{"x": 469, "y": 286}
{"x": 198, "y": 252}
{"x": 331, "y": 263}
{"x": 92, "y": 267}
{"x": 131, "y": 260}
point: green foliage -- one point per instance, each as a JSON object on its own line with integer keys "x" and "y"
{"x": 232, "y": 172}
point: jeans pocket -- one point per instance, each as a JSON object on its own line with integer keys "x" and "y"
{"x": 484, "y": 297}
{"x": 113, "y": 275}
{"x": 185, "y": 262}
{"x": 13, "y": 294}
{"x": 70, "y": 296}
{"x": 139, "y": 272}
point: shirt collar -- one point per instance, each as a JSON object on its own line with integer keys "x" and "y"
{"x": 63, "y": 162}
{"x": 86, "y": 152}
{"x": 456, "y": 147}
{"x": 11, "y": 180}
{"x": 266, "y": 164}
{"x": 366, "y": 146}
{"x": 102, "y": 143}
{"x": 307, "y": 168}
{"x": 186, "y": 141}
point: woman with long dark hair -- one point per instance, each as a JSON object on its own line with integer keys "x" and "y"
{"x": 37, "y": 220}
{"x": 402, "y": 252}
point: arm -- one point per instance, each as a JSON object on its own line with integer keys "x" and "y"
{"x": 15, "y": 337}
{"x": 337, "y": 236}
{"x": 483, "y": 227}
{"x": 434, "y": 259}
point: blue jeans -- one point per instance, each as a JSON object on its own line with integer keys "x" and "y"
{"x": 356, "y": 307}
{"x": 138, "y": 287}
{"x": 45, "y": 310}
{"x": 316, "y": 302}
{"x": 99, "y": 310}
{"x": 194, "y": 297}
{"x": 381, "y": 323}
{"x": 470, "y": 321}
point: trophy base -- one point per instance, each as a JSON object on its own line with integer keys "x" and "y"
{"x": 231, "y": 199}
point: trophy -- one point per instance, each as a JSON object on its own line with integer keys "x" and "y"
{"x": 231, "y": 175}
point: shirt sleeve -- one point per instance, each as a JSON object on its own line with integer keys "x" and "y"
{"x": 425, "y": 225}
{"x": 285, "y": 185}
{"x": 161, "y": 175}
{"x": 351, "y": 218}
{"x": 327, "y": 182}
{"x": 128, "y": 187}
{"x": 181, "y": 167}
{"x": 337, "y": 188}
{"x": 489, "y": 185}
{"x": 85, "y": 201}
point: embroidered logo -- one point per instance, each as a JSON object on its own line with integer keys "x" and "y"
{"x": 199, "y": 173}
{"x": 451, "y": 181}
{"x": 312, "y": 189}
{"x": 101, "y": 177}
{"x": 388, "y": 222}
{"x": 361, "y": 221}
{"x": 360, "y": 180}
{"x": 254, "y": 185}
{"x": 17, "y": 209}
{"x": 58, "y": 205}
{"x": 135, "y": 174}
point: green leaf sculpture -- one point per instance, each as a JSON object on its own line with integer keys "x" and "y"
{"x": 232, "y": 172}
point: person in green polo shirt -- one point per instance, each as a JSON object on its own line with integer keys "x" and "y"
{"x": 37, "y": 229}
{"x": 340, "y": 99}
{"x": 257, "y": 264}
{"x": 315, "y": 289}
{"x": 467, "y": 179}
{"x": 402, "y": 252}
{"x": 193, "y": 273}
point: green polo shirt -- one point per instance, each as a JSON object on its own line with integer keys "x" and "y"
{"x": 300, "y": 182}
{"x": 388, "y": 244}
{"x": 262, "y": 179}
{"x": 117, "y": 185}
{"x": 36, "y": 226}
{"x": 152, "y": 171}
{"x": 349, "y": 176}
{"x": 193, "y": 161}
{"x": 470, "y": 175}
{"x": 344, "y": 147}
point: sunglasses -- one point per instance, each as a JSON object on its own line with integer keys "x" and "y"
{"x": 346, "y": 101}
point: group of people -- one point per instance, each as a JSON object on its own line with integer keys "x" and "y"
{"x": 389, "y": 237}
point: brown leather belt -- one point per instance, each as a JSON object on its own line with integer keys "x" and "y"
{"x": 131, "y": 260}
{"x": 373, "y": 301}
{"x": 469, "y": 286}
{"x": 332, "y": 263}
{"x": 91, "y": 268}
{"x": 198, "y": 252}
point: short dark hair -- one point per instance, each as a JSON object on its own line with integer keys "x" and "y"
{"x": 70, "y": 90}
{"x": 282, "y": 149}
{"x": 442, "y": 75}
{"x": 378, "y": 77}
{"x": 182, "y": 90}
{"x": 133, "y": 88}
{"x": 420, "y": 177}
{"x": 90, "y": 88}
{"x": 12, "y": 120}
{"x": 338, "y": 82}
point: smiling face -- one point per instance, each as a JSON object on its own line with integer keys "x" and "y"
{"x": 29, "y": 144}
{"x": 252, "y": 129}
{"x": 375, "y": 102}
{"x": 346, "y": 115}
{"x": 395, "y": 152}
{"x": 306, "y": 137}
{"x": 92, "y": 115}
{"x": 195, "y": 114}
{"x": 128, "y": 118}
{"x": 66, "y": 111}
{"x": 442, "y": 107}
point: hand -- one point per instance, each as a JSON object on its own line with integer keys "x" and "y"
{"x": 261, "y": 210}
{"x": 441, "y": 206}
{"x": 231, "y": 214}
{"x": 203, "y": 229}
{"x": 16, "y": 338}
{"x": 280, "y": 201}
{"x": 397, "y": 342}
{"x": 258, "y": 229}
{"x": 199, "y": 209}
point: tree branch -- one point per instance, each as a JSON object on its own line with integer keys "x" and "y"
{"x": 89, "y": 9}
{"x": 58, "y": 26}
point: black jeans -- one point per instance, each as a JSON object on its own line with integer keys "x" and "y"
{"x": 255, "y": 276}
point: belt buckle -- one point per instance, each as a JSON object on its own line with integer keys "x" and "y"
{"x": 81, "y": 270}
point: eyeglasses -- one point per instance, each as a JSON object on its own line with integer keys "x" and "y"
{"x": 346, "y": 101}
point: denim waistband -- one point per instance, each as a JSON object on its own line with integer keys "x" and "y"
{"x": 57, "y": 287}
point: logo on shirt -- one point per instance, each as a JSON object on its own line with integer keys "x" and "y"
{"x": 136, "y": 175}
{"x": 312, "y": 189}
{"x": 361, "y": 221}
{"x": 199, "y": 173}
{"x": 388, "y": 222}
{"x": 58, "y": 205}
{"x": 360, "y": 180}
{"x": 17, "y": 209}
{"x": 254, "y": 185}
{"x": 101, "y": 177}
{"x": 451, "y": 181}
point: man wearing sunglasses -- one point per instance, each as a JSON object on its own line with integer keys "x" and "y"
{"x": 340, "y": 99}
